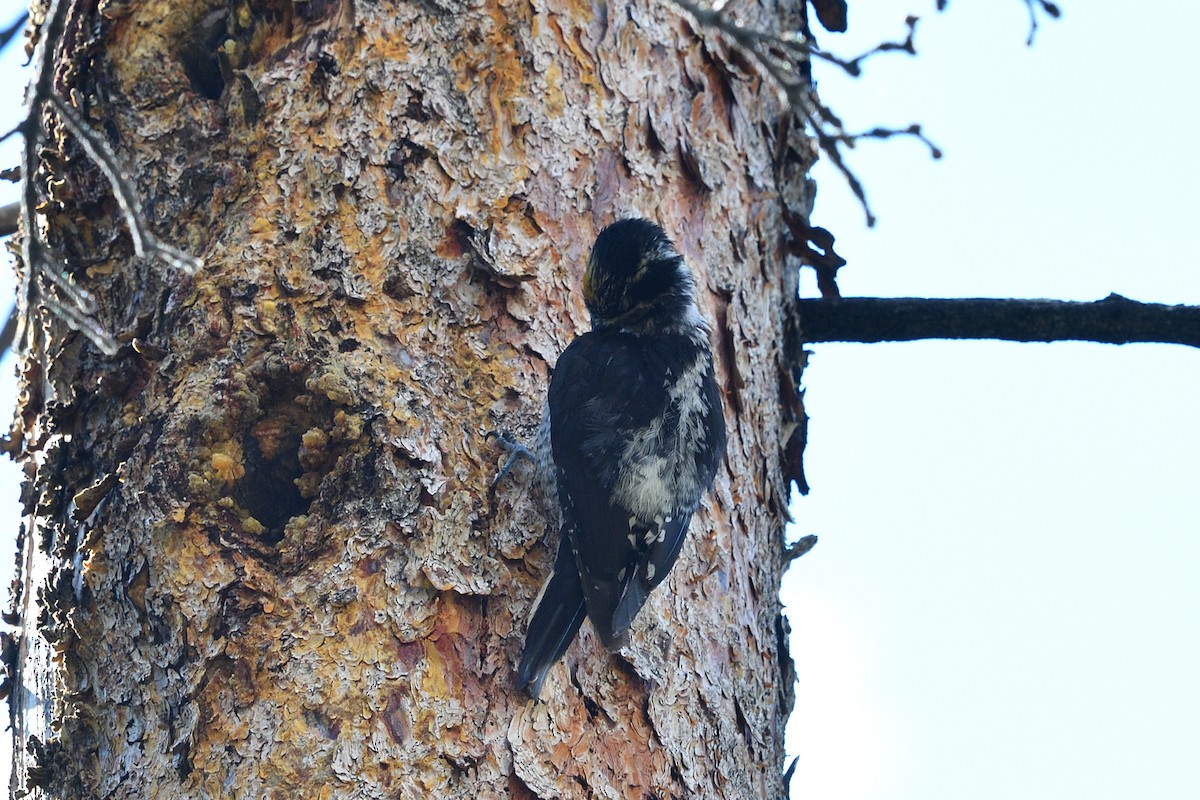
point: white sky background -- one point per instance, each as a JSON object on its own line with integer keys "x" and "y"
{"x": 1004, "y": 600}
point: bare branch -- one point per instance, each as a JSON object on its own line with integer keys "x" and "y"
{"x": 45, "y": 280}
{"x": 1051, "y": 10}
{"x": 754, "y": 40}
{"x": 785, "y": 58}
{"x": 853, "y": 67}
{"x": 9, "y": 215}
{"x": 799, "y": 547}
{"x": 12, "y": 30}
{"x": 145, "y": 243}
{"x": 1113, "y": 320}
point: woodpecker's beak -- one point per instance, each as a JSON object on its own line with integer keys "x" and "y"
{"x": 589, "y": 291}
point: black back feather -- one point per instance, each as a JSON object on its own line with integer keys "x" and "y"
{"x": 608, "y": 387}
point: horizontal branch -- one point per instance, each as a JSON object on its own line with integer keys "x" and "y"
{"x": 1113, "y": 320}
{"x": 9, "y": 215}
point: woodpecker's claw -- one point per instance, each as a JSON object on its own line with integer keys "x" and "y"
{"x": 516, "y": 452}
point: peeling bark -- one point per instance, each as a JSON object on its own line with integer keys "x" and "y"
{"x": 261, "y": 558}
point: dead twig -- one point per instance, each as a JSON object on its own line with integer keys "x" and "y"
{"x": 1050, "y": 9}
{"x": 12, "y": 30}
{"x": 799, "y": 547}
{"x": 1033, "y": 5}
{"x": 814, "y": 246}
{"x": 45, "y": 281}
{"x": 785, "y": 58}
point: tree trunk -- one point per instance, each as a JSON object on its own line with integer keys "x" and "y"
{"x": 260, "y": 555}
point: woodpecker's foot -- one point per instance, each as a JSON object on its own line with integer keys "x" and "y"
{"x": 516, "y": 452}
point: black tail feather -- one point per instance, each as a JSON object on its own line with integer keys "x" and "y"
{"x": 559, "y": 614}
{"x": 631, "y": 602}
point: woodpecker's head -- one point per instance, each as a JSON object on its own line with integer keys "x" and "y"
{"x": 634, "y": 276}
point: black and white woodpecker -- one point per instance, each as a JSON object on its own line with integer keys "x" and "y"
{"x": 636, "y": 432}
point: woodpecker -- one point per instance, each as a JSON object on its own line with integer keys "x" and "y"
{"x": 636, "y": 433}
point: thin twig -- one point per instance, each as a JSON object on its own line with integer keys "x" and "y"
{"x": 1051, "y": 10}
{"x": 782, "y": 56}
{"x": 145, "y": 243}
{"x": 853, "y": 66}
{"x": 45, "y": 280}
{"x": 913, "y": 131}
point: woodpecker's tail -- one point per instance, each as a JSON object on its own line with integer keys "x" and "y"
{"x": 560, "y": 612}
{"x": 650, "y": 571}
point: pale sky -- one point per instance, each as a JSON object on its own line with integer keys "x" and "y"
{"x": 1004, "y": 600}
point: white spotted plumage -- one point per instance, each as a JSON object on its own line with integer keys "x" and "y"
{"x": 637, "y": 435}
{"x": 658, "y": 468}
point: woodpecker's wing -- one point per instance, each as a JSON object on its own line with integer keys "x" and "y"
{"x": 607, "y": 388}
{"x": 655, "y": 561}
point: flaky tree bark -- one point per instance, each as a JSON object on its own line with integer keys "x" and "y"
{"x": 260, "y": 556}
